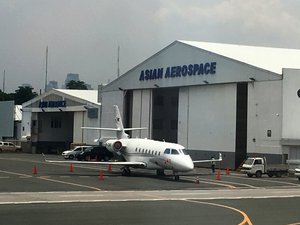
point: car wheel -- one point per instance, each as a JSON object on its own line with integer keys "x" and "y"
{"x": 258, "y": 174}
{"x": 71, "y": 157}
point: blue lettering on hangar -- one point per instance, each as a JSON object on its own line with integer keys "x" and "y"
{"x": 179, "y": 71}
{"x": 52, "y": 104}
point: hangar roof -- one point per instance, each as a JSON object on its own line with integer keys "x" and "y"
{"x": 271, "y": 59}
{"x": 88, "y": 95}
{"x": 77, "y": 97}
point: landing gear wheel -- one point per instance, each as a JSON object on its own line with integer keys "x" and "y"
{"x": 160, "y": 172}
{"x": 126, "y": 171}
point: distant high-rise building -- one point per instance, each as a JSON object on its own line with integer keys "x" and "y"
{"x": 52, "y": 85}
{"x": 75, "y": 77}
{"x": 71, "y": 76}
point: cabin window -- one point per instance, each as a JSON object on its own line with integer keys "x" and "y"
{"x": 167, "y": 151}
{"x": 175, "y": 152}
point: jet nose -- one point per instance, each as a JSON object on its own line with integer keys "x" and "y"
{"x": 188, "y": 164}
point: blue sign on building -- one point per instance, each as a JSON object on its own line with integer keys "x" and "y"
{"x": 179, "y": 71}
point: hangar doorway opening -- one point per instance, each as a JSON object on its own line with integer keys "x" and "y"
{"x": 165, "y": 114}
{"x": 53, "y": 131}
{"x": 241, "y": 123}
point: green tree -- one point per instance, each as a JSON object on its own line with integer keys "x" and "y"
{"x": 6, "y": 97}
{"x": 24, "y": 94}
{"x": 78, "y": 85}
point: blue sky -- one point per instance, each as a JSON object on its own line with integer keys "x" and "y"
{"x": 83, "y": 35}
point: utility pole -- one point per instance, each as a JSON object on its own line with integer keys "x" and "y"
{"x": 3, "y": 89}
{"x": 46, "y": 77}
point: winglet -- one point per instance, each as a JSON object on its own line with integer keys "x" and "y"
{"x": 220, "y": 156}
{"x": 44, "y": 157}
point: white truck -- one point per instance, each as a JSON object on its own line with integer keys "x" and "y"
{"x": 258, "y": 166}
{"x": 297, "y": 172}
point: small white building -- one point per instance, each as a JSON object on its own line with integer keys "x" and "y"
{"x": 52, "y": 121}
{"x": 210, "y": 97}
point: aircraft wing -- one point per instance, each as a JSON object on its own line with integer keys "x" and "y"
{"x": 209, "y": 160}
{"x": 120, "y": 163}
{"x": 99, "y": 128}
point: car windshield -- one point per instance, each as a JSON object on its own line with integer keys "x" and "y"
{"x": 249, "y": 161}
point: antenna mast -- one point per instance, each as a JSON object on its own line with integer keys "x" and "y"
{"x": 46, "y": 69}
{"x": 118, "y": 60}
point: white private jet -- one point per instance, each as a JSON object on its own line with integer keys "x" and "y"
{"x": 144, "y": 153}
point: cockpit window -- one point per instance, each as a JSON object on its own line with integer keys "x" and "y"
{"x": 185, "y": 152}
{"x": 167, "y": 151}
{"x": 175, "y": 152}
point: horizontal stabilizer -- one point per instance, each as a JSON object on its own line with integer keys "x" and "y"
{"x": 100, "y": 128}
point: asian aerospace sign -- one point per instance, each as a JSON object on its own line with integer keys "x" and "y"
{"x": 208, "y": 68}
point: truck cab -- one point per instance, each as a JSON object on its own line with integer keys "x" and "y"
{"x": 254, "y": 166}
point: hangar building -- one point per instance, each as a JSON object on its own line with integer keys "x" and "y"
{"x": 209, "y": 97}
{"x": 52, "y": 121}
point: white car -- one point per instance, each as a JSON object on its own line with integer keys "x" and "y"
{"x": 71, "y": 154}
{"x": 9, "y": 146}
{"x": 297, "y": 173}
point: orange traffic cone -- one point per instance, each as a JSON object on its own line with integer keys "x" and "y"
{"x": 101, "y": 177}
{"x": 218, "y": 177}
{"x": 227, "y": 171}
{"x": 71, "y": 168}
{"x": 109, "y": 168}
{"x": 34, "y": 170}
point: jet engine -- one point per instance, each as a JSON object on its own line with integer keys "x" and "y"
{"x": 114, "y": 145}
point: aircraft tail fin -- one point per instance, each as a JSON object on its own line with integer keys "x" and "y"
{"x": 120, "y": 130}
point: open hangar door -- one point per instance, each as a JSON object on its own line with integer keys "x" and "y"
{"x": 165, "y": 114}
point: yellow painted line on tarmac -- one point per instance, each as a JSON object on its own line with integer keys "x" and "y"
{"x": 68, "y": 183}
{"x": 245, "y": 221}
{"x": 17, "y": 174}
{"x": 48, "y": 179}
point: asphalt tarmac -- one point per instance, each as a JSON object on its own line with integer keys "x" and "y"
{"x": 64, "y": 194}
